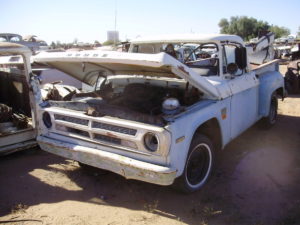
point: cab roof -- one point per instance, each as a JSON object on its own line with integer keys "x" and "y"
{"x": 188, "y": 38}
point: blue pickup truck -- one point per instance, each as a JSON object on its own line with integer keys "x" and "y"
{"x": 160, "y": 112}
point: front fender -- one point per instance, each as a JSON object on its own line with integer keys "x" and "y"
{"x": 184, "y": 128}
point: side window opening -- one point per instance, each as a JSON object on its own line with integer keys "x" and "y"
{"x": 231, "y": 64}
{"x": 15, "y": 39}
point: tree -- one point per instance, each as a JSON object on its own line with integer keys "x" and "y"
{"x": 109, "y": 42}
{"x": 53, "y": 45}
{"x": 249, "y": 27}
{"x": 224, "y": 25}
{"x": 279, "y": 31}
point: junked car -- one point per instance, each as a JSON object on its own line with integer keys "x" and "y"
{"x": 286, "y": 39}
{"x": 31, "y": 41}
{"x": 154, "y": 117}
{"x": 17, "y": 123}
{"x": 17, "y": 127}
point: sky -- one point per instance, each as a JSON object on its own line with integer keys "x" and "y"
{"x": 89, "y": 20}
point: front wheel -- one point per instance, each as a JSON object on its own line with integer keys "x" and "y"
{"x": 198, "y": 165}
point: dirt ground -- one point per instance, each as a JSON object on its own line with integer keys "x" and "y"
{"x": 257, "y": 182}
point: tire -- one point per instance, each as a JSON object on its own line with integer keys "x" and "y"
{"x": 198, "y": 166}
{"x": 271, "y": 119}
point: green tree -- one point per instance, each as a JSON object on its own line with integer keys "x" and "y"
{"x": 108, "y": 42}
{"x": 249, "y": 27}
{"x": 279, "y": 31}
{"x": 224, "y": 25}
{"x": 53, "y": 45}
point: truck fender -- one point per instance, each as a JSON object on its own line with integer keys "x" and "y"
{"x": 180, "y": 150}
{"x": 269, "y": 82}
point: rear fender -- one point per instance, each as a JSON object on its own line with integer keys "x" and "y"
{"x": 269, "y": 82}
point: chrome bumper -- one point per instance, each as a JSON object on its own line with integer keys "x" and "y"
{"x": 125, "y": 166}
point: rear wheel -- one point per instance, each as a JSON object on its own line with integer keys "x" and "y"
{"x": 271, "y": 119}
{"x": 198, "y": 165}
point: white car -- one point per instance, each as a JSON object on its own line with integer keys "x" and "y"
{"x": 286, "y": 40}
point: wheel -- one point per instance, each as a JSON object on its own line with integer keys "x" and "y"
{"x": 198, "y": 166}
{"x": 271, "y": 119}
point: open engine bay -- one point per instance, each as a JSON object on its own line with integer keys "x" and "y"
{"x": 135, "y": 98}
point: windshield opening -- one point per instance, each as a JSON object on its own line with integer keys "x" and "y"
{"x": 201, "y": 57}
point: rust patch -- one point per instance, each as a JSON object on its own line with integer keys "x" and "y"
{"x": 224, "y": 113}
{"x": 183, "y": 70}
{"x": 111, "y": 135}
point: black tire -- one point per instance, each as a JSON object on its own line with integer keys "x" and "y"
{"x": 198, "y": 166}
{"x": 271, "y": 119}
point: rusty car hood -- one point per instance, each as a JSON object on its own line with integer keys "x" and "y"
{"x": 87, "y": 65}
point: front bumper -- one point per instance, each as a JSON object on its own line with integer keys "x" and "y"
{"x": 125, "y": 166}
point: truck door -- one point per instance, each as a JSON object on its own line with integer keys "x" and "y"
{"x": 244, "y": 88}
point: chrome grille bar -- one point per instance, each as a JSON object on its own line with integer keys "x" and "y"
{"x": 71, "y": 119}
{"x": 114, "y": 128}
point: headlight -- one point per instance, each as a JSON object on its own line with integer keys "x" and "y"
{"x": 151, "y": 142}
{"x": 47, "y": 120}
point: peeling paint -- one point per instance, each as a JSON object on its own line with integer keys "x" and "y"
{"x": 183, "y": 70}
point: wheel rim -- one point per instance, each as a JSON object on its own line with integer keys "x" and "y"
{"x": 198, "y": 165}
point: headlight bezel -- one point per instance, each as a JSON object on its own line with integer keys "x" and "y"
{"x": 47, "y": 120}
{"x": 151, "y": 142}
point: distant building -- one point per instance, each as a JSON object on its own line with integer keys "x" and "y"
{"x": 112, "y": 35}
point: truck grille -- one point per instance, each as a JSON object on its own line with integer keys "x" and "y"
{"x": 108, "y": 139}
{"x": 91, "y": 132}
{"x": 71, "y": 119}
{"x": 114, "y": 128}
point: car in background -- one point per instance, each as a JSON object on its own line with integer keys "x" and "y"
{"x": 17, "y": 127}
{"x": 31, "y": 41}
{"x": 286, "y": 40}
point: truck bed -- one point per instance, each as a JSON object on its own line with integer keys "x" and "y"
{"x": 266, "y": 67}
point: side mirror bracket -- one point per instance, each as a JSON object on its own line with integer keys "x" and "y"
{"x": 232, "y": 68}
